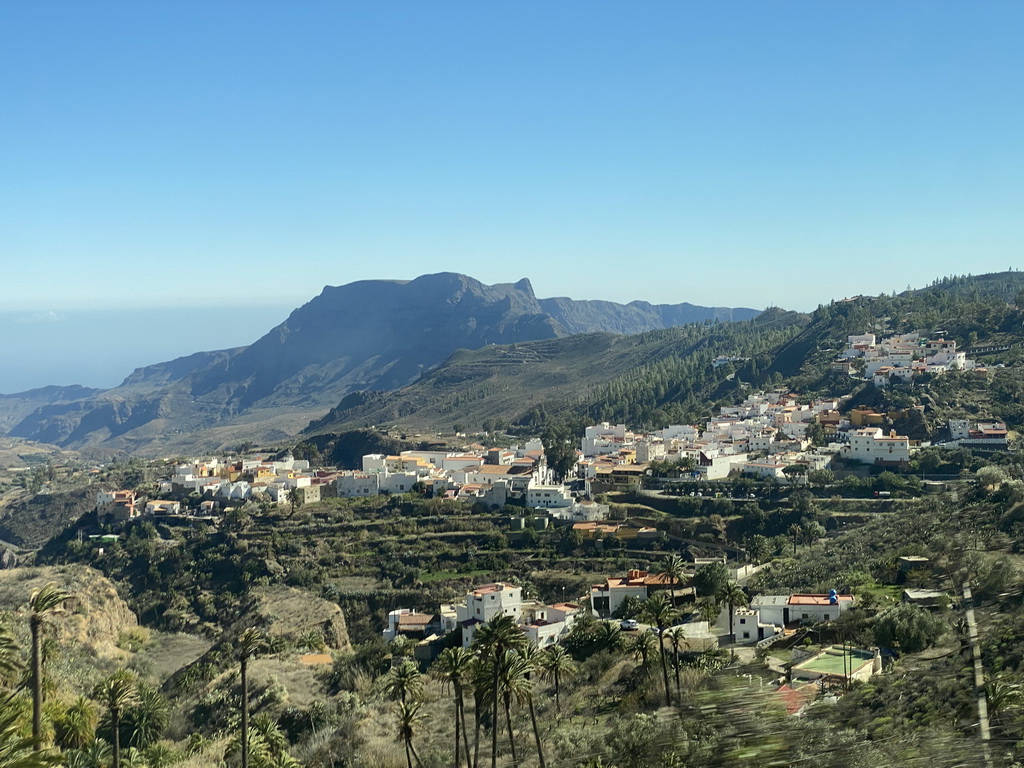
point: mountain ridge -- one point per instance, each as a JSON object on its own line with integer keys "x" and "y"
{"x": 366, "y": 335}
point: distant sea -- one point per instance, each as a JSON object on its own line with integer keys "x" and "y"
{"x": 99, "y": 348}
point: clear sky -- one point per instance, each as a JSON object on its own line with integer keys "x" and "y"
{"x": 186, "y": 154}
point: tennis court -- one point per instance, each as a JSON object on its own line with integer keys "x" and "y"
{"x": 831, "y": 661}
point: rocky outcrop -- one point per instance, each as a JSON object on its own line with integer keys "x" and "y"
{"x": 95, "y": 619}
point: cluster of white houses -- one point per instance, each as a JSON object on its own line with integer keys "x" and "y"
{"x": 900, "y": 357}
{"x": 760, "y": 437}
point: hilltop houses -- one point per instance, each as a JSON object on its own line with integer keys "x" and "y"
{"x": 607, "y": 597}
{"x": 901, "y": 357}
{"x": 116, "y": 506}
{"x": 542, "y": 624}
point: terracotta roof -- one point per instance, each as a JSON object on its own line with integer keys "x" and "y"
{"x": 795, "y": 699}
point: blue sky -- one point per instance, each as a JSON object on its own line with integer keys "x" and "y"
{"x": 245, "y": 154}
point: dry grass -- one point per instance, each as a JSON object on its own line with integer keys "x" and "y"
{"x": 291, "y": 613}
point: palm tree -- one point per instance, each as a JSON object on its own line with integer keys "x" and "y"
{"x": 98, "y": 753}
{"x": 732, "y": 594}
{"x": 16, "y": 751}
{"x": 118, "y": 693}
{"x": 658, "y": 611}
{"x": 492, "y": 640}
{"x": 519, "y": 682}
{"x": 409, "y": 717}
{"x": 77, "y": 728}
{"x": 250, "y": 642}
{"x": 674, "y": 568}
{"x": 10, "y": 657}
{"x": 160, "y": 756}
{"x": 1001, "y": 696}
{"x": 677, "y": 640}
{"x": 609, "y": 637}
{"x": 644, "y": 647}
{"x": 796, "y": 532}
{"x": 452, "y": 668}
{"x": 403, "y": 681}
{"x": 294, "y": 499}
{"x": 557, "y": 664}
{"x": 480, "y": 677}
{"x": 270, "y": 738}
{"x": 148, "y": 719}
{"x": 43, "y": 602}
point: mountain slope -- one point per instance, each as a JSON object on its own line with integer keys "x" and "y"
{"x": 583, "y": 375}
{"x": 635, "y": 317}
{"x": 662, "y": 376}
{"x": 367, "y": 335}
{"x": 15, "y": 407}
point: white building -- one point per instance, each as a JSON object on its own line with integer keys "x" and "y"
{"x": 747, "y": 626}
{"x": 547, "y": 496}
{"x": 604, "y": 438}
{"x": 484, "y": 603}
{"x": 582, "y": 512}
{"x": 357, "y": 484}
{"x": 788, "y": 609}
{"x": 871, "y": 445}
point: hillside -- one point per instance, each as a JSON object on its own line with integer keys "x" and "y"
{"x": 368, "y": 335}
{"x": 658, "y": 377}
{"x": 532, "y": 382}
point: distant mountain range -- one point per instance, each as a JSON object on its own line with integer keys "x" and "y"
{"x": 678, "y": 375}
{"x": 368, "y": 335}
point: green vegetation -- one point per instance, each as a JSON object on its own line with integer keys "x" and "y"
{"x": 261, "y": 589}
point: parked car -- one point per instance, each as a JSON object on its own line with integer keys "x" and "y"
{"x": 630, "y": 624}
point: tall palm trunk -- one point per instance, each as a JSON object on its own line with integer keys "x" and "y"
{"x": 415, "y": 756}
{"x": 536, "y": 733}
{"x": 511, "y": 734}
{"x": 245, "y": 713}
{"x": 115, "y": 724}
{"x": 558, "y": 701}
{"x": 494, "y": 708}
{"x": 664, "y": 667}
{"x": 408, "y": 754}
{"x": 675, "y": 668}
{"x": 458, "y": 728}
{"x": 37, "y": 684}
{"x": 465, "y": 727}
{"x": 476, "y": 731}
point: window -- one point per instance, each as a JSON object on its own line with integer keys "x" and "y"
{"x": 826, "y": 617}
{"x": 746, "y": 635}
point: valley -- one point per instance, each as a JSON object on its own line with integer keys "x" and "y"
{"x": 690, "y": 532}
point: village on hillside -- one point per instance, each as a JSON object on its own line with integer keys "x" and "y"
{"x": 770, "y": 439}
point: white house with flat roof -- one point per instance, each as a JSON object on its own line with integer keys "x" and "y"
{"x": 540, "y": 496}
{"x": 872, "y": 445}
{"x": 789, "y": 609}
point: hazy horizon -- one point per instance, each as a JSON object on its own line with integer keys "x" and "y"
{"x": 99, "y": 348}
